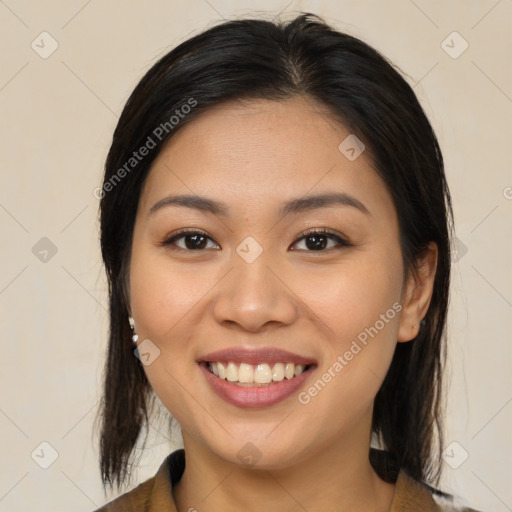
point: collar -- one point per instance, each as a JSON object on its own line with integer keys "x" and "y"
{"x": 168, "y": 475}
{"x": 410, "y": 495}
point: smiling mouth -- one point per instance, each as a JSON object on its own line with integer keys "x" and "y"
{"x": 256, "y": 375}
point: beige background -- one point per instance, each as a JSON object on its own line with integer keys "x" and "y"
{"x": 58, "y": 115}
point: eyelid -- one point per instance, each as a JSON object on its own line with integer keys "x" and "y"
{"x": 186, "y": 231}
{"x": 329, "y": 233}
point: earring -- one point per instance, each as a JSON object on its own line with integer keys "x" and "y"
{"x": 135, "y": 337}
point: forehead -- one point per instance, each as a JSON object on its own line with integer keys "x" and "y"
{"x": 262, "y": 151}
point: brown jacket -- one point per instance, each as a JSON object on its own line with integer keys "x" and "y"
{"x": 155, "y": 494}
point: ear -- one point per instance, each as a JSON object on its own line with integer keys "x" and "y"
{"x": 417, "y": 294}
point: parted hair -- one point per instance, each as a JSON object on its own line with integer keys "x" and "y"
{"x": 359, "y": 88}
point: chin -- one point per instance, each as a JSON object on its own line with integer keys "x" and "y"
{"x": 256, "y": 455}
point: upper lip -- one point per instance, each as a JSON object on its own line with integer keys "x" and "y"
{"x": 256, "y": 356}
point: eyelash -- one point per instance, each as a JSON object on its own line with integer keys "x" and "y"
{"x": 304, "y": 234}
{"x": 323, "y": 232}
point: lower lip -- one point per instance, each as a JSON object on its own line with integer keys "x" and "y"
{"x": 252, "y": 397}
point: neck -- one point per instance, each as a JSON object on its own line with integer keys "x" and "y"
{"x": 341, "y": 471}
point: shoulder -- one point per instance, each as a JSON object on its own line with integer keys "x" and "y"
{"x": 412, "y": 495}
{"x": 135, "y": 500}
{"x": 448, "y": 503}
{"x": 155, "y": 494}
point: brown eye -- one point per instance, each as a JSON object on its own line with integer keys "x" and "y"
{"x": 319, "y": 240}
{"x": 191, "y": 241}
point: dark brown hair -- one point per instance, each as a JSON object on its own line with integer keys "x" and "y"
{"x": 257, "y": 59}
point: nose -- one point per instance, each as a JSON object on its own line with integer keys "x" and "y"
{"x": 254, "y": 296}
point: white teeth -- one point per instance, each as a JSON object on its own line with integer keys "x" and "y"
{"x": 263, "y": 374}
{"x": 221, "y": 368}
{"x": 256, "y": 374}
{"x": 232, "y": 372}
{"x": 245, "y": 373}
{"x": 278, "y": 372}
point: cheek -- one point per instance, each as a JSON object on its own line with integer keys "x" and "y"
{"x": 360, "y": 306}
{"x": 165, "y": 301}
{"x": 164, "y": 292}
{"x": 352, "y": 296}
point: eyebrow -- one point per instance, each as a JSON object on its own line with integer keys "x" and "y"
{"x": 294, "y": 206}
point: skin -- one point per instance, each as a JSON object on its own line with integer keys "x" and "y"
{"x": 253, "y": 156}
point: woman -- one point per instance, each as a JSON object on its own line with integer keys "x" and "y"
{"x": 275, "y": 226}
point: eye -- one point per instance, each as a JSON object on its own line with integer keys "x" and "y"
{"x": 190, "y": 239}
{"x": 319, "y": 239}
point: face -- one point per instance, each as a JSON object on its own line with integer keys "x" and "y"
{"x": 250, "y": 273}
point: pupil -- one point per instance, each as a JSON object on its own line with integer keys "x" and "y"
{"x": 319, "y": 242}
{"x": 197, "y": 243}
